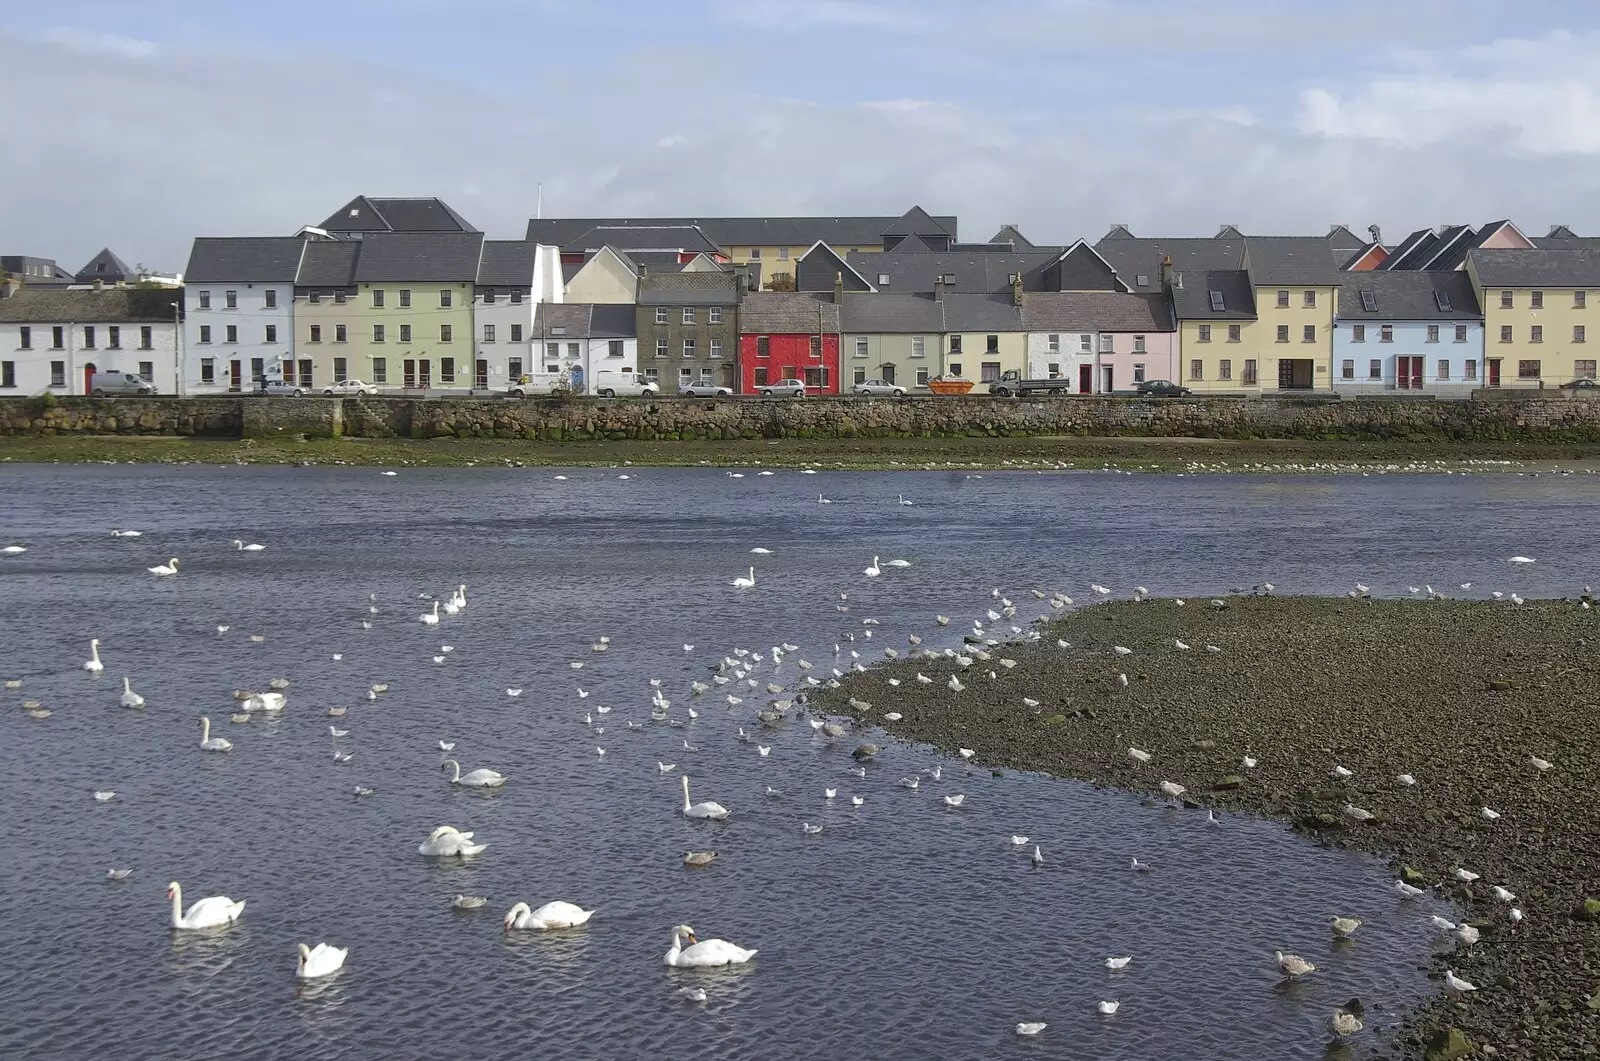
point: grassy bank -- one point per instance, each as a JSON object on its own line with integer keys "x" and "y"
{"x": 1458, "y": 695}
{"x": 1147, "y": 454}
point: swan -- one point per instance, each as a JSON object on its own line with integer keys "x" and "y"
{"x": 874, "y": 570}
{"x": 126, "y": 534}
{"x": 209, "y": 912}
{"x": 898, "y": 563}
{"x": 13, "y": 550}
{"x": 713, "y": 811}
{"x": 1293, "y": 965}
{"x": 480, "y": 778}
{"x": 446, "y": 841}
{"x": 240, "y": 546}
{"x": 208, "y": 742}
{"x": 702, "y": 954}
{"x": 551, "y": 915}
{"x": 759, "y": 551}
{"x": 168, "y": 568}
{"x": 263, "y": 702}
{"x": 431, "y": 618}
{"x": 93, "y": 663}
{"x": 129, "y": 697}
{"x": 321, "y": 960}
{"x": 824, "y": 500}
{"x": 743, "y": 582}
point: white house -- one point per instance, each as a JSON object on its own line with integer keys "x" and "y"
{"x": 239, "y": 312}
{"x": 502, "y": 313}
{"x": 54, "y": 340}
{"x": 584, "y": 343}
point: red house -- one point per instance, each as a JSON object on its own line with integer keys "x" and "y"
{"x": 788, "y": 335}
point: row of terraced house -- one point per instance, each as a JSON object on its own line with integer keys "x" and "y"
{"x": 408, "y": 296}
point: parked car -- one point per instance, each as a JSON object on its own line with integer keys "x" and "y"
{"x": 624, "y": 383}
{"x": 279, "y": 388}
{"x": 785, "y": 388}
{"x": 1011, "y": 382}
{"x": 880, "y": 386}
{"x": 705, "y": 389}
{"x": 1580, "y": 385}
{"x": 104, "y": 384}
{"x": 350, "y": 386}
{"x": 1161, "y": 388}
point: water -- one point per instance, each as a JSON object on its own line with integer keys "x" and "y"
{"x": 905, "y": 929}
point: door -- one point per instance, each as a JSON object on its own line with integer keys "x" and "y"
{"x": 88, "y": 377}
{"x": 888, "y": 373}
{"x": 480, "y": 375}
{"x": 577, "y": 378}
{"x": 1085, "y": 379}
{"x": 236, "y": 375}
{"x": 1408, "y": 373}
{"x": 409, "y": 380}
{"x": 1285, "y": 374}
{"x": 1494, "y": 372}
{"x": 305, "y": 373}
{"x": 1107, "y": 379}
{"x": 424, "y": 374}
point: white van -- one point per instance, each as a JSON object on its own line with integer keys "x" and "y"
{"x": 102, "y": 384}
{"x": 622, "y": 382}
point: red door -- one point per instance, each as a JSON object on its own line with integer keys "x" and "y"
{"x": 1408, "y": 373}
{"x": 88, "y": 377}
{"x": 1085, "y": 379}
{"x": 1494, "y": 372}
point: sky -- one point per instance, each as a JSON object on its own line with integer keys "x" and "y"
{"x": 141, "y": 126}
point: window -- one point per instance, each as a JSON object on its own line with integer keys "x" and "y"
{"x": 208, "y": 370}
{"x": 338, "y": 333}
{"x": 1583, "y": 370}
{"x": 58, "y": 336}
{"x": 1528, "y": 369}
{"x": 1580, "y": 299}
{"x": 488, "y": 333}
{"x": 1386, "y": 333}
{"x": 1536, "y": 333}
{"x": 205, "y": 334}
{"x": 1433, "y": 333}
{"x": 315, "y": 298}
{"x": 316, "y": 333}
{"x": 661, "y": 346}
{"x": 516, "y": 298}
{"x": 661, "y": 316}
{"x": 1086, "y": 343}
{"x": 755, "y": 254}
{"x": 444, "y": 298}
{"x": 1106, "y": 346}
{"x": 340, "y": 372}
{"x": 1506, "y": 301}
{"x": 688, "y": 348}
{"x": 1249, "y": 372}
{"x": 1308, "y": 334}
{"x": 272, "y": 333}
{"x": 88, "y": 337}
{"x": 1369, "y": 301}
{"x": 862, "y": 346}
{"x": 1197, "y": 369}
{"x": 377, "y": 333}
{"x": 1578, "y": 333}
{"x": 1224, "y": 369}
{"x": 447, "y": 370}
{"x": 113, "y": 337}
{"x": 922, "y": 376}
{"x": 1283, "y": 333}
{"x": 1347, "y": 369}
{"x": 146, "y": 337}
{"x": 783, "y": 254}
{"x": 860, "y": 375}
{"x": 1138, "y": 344}
{"x": 445, "y": 333}
{"x": 1138, "y": 372}
{"x": 488, "y": 297}
{"x": 377, "y": 298}
{"x": 514, "y": 367}
{"x": 919, "y": 346}
{"x": 232, "y": 299}
{"x": 714, "y": 315}
{"x": 685, "y": 376}
{"x": 58, "y": 373}
{"x": 1505, "y": 333}
{"x": 1358, "y": 333}
{"x": 989, "y": 371}
{"x": 1218, "y": 303}
{"x": 991, "y": 344}
{"x": 614, "y": 348}
{"x": 883, "y": 279}
{"x": 1442, "y": 300}
{"x": 205, "y": 300}
{"x": 653, "y": 375}
{"x": 271, "y": 297}
{"x": 761, "y": 375}
{"x": 25, "y": 338}
{"x": 1205, "y": 333}
{"x": 1472, "y": 370}
{"x": 233, "y": 333}
{"x": 816, "y": 346}
{"x": 1053, "y": 370}
{"x": 1283, "y": 300}
{"x": 955, "y": 343}
{"x": 688, "y": 314}
{"x": 1461, "y": 333}
{"x": 8, "y": 374}
{"x": 147, "y": 371}
{"x": 516, "y": 333}
{"x": 1143, "y": 279}
{"x": 1233, "y": 333}
{"x": 763, "y": 346}
{"x": 1053, "y": 343}
{"x": 1444, "y": 369}
{"x": 1537, "y": 300}
{"x": 1309, "y": 300}
{"x": 339, "y": 298}
{"x": 380, "y": 369}
{"x": 1375, "y": 368}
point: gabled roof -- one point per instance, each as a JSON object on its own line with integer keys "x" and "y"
{"x": 1417, "y": 248}
{"x": 786, "y": 312}
{"x": 1119, "y": 232}
{"x": 1453, "y": 241}
{"x": 1192, "y": 288}
{"x": 730, "y": 232}
{"x": 327, "y": 263}
{"x": 892, "y": 313}
{"x": 911, "y": 245}
{"x": 682, "y": 239}
{"x": 1229, "y": 232}
{"x": 688, "y": 289}
{"x": 1408, "y": 296}
{"x": 365, "y": 214}
{"x": 917, "y": 222}
{"x": 390, "y": 257}
{"x": 1341, "y": 236}
{"x": 1346, "y": 259}
{"x": 114, "y": 305}
{"x": 244, "y": 260}
{"x": 1010, "y": 234}
{"x": 1095, "y": 311}
{"x": 107, "y": 268}
{"x": 1561, "y": 232}
{"x": 583, "y": 320}
{"x": 1300, "y": 260}
{"x": 1569, "y": 243}
{"x": 975, "y": 272}
{"x": 1536, "y": 268}
{"x": 982, "y": 313}
{"x": 1082, "y": 268}
{"x": 507, "y": 263}
{"x": 819, "y": 257}
{"x": 1132, "y": 256}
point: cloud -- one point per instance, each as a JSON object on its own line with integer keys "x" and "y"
{"x": 828, "y": 14}
{"x": 80, "y": 41}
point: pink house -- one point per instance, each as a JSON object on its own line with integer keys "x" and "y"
{"x": 1105, "y": 341}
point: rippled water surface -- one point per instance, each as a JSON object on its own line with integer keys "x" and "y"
{"x": 904, "y": 930}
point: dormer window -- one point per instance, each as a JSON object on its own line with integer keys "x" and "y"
{"x": 1443, "y": 301}
{"x": 1369, "y": 301}
{"x": 1218, "y": 304}
{"x": 355, "y": 211}
{"x": 1143, "y": 279}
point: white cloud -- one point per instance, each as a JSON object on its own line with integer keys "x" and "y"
{"x": 80, "y": 41}
{"x": 829, "y": 14}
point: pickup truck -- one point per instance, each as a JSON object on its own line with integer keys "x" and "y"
{"x": 1012, "y": 383}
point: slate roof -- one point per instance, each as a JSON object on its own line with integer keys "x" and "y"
{"x": 244, "y": 260}
{"x": 1119, "y": 232}
{"x": 1413, "y": 251}
{"x": 106, "y": 267}
{"x": 688, "y": 289}
{"x": 975, "y": 272}
{"x": 1570, "y": 243}
{"x": 109, "y": 304}
{"x": 1191, "y": 298}
{"x": 788, "y": 313}
{"x": 582, "y": 320}
{"x": 1535, "y": 268}
{"x": 612, "y": 321}
{"x": 982, "y": 313}
{"x": 892, "y": 313}
{"x": 396, "y": 215}
{"x": 1229, "y": 232}
{"x": 1132, "y": 256}
{"x": 740, "y": 231}
{"x": 1454, "y": 255}
{"x": 1409, "y": 296}
{"x": 507, "y": 263}
{"x": 1341, "y": 236}
{"x": 820, "y": 266}
{"x": 1082, "y": 268}
{"x": 919, "y": 222}
{"x": 681, "y": 238}
{"x": 1095, "y": 311}
{"x": 388, "y": 257}
{"x": 327, "y": 263}
{"x": 1010, "y": 234}
{"x": 1561, "y": 232}
{"x": 1301, "y": 260}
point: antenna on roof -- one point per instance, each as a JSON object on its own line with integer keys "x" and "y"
{"x": 538, "y": 210}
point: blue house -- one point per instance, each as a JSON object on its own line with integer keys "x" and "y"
{"x": 1408, "y": 332}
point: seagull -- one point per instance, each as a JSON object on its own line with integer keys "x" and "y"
{"x": 665, "y": 768}
{"x": 1027, "y": 1027}
{"x": 118, "y": 874}
{"x": 1107, "y": 1008}
{"x": 1405, "y": 779}
{"x": 1467, "y": 934}
{"x": 955, "y": 683}
{"x": 1343, "y": 1023}
{"x": 1037, "y": 858}
{"x": 1138, "y": 755}
{"x": 1140, "y": 867}
{"x": 1019, "y": 841}
{"x": 1521, "y": 560}
{"x": 1122, "y": 680}
{"x": 692, "y": 994}
{"x": 335, "y": 731}
{"x": 1344, "y": 927}
{"x": 105, "y": 797}
{"x": 1122, "y": 650}
{"x": 856, "y": 801}
{"x": 1466, "y": 876}
{"x": 1515, "y": 915}
{"x": 1489, "y": 814}
{"x": 1173, "y": 789}
{"x": 1249, "y": 762}
{"x": 909, "y": 782}
{"x": 1342, "y": 773}
{"x": 1406, "y": 891}
{"x": 809, "y": 829}
{"x": 1541, "y": 765}
{"x": 764, "y": 750}
{"x": 1355, "y": 813}
{"x": 955, "y": 801}
{"x": 1179, "y": 644}
{"x": 1503, "y": 895}
{"x": 361, "y": 791}
{"x": 1293, "y": 965}
{"x": 513, "y": 692}
{"x": 1455, "y": 984}
{"x": 1118, "y": 963}
{"x": 1442, "y": 923}
{"x": 343, "y": 757}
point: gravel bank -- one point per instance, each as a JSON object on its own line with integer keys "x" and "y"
{"x": 1457, "y": 694}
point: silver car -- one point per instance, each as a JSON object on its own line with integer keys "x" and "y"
{"x": 279, "y": 388}
{"x": 705, "y": 389}
{"x": 880, "y": 386}
{"x": 785, "y": 388}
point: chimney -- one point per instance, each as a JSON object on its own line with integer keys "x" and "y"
{"x": 838, "y": 288}
{"x": 1166, "y": 270}
{"x": 1373, "y": 231}
{"x": 10, "y": 287}
{"x": 99, "y": 284}
{"x": 938, "y": 288}
{"x": 1016, "y": 289}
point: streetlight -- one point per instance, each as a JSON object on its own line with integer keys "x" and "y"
{"x": 177, "y": 345}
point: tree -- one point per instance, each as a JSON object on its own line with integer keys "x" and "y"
{"x": 780, "y": 282}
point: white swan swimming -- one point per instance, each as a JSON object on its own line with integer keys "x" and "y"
{"x": 321, "y": 960}
{"x": 93, "y": 663}
{"x": 480, "y": 778}
{"x": 431, "y": 618}
{"x": 209, "y": 912}
{"x": 240, "y": 546}
{"x": 556, "y": 914}
{"x": 708, "y": 810}
{"x": 13, "y": 550}
{"x": 745, "y": 582}
{"x": 899, "y": 563}
{"x": 208, "y": 742}
{"x": 129, "y": 697}
{"x": 168, "y": 568}
{"x": 263, "y": 702}
{"x": 126, "y": 534}
{"x": 447, "y": 841}
{"x": 703, "y": 954}
{"x": 873, "y": 571}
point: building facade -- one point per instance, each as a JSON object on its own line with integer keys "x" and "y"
{"x": 788, "y": 336}
{"x": 1103, "y": 341}
{"x": 327, "y": 317}
{"x": 415, "y": 298}
{"x": 239, "y": 312}
{"x": 1408, "y": 332}
{"x": 899, "y": 338}
{"x": 502, "y": 318}
{"x": 688, "y": 327}
{"x": 53, "y": 341}
{"x": 1537, "y": 314}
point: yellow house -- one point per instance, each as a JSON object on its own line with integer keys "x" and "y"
{"x": 414, "y": 293}
{"x": 607, "y": 278}
{"x": 1537, "y": 312}
{"x": 985, "y": 337}
{"x": 327, "y": 313}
